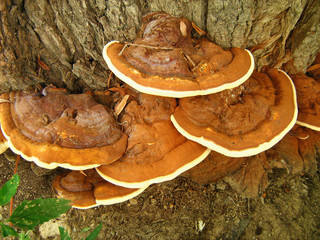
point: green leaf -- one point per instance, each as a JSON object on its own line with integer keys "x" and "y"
{"x": 64, "y": 234}
{"x": 94, "y": 234}
{"x": 24, "y": 236}
{"x": 86, "y": 229}
{"x": 7, "y": 231}
{"x": 32, "y": 213}
{"x": 9, "y": 189}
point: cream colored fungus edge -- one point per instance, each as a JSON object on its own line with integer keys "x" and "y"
{"x": 114, "y": 200}
{"x": 308, "y": 125}
{"x": 171, "y": 93}
{"x": 157, "y": 179}
{"x": 42, "y": 164}
{"x": 123, "y": 198}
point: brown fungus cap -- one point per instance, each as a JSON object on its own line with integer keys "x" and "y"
{"x": 75, "y": 187}
{"x": 87, "y": 189}
{"x": 243, "y": 121}
{"x": 156, "y": 151}
{"x": 308, "y": 97}
{"x": 166, "y": 61}
{"x": 60, "y": 129}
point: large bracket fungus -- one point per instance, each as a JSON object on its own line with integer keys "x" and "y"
{"x": 308, "y": 95}
{"x": 166, "y": 61}
{"x": 243, "y": 121}
{"x": 156, "y": 151}
{"x": 60, "y": 129}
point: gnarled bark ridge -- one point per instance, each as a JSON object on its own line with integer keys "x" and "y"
{"x": 68, "y": 36}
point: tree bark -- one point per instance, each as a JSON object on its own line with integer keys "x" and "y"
{"x": 68, "y": 36}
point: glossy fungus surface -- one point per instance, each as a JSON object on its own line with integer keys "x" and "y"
{"x": 165, "y": 60}
{"x": 60, "y": 129}
{"x": 242, "y": 121}
{"x": 156, "y": 151}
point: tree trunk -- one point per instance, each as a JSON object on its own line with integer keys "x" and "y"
{"x": 68, "y": 36}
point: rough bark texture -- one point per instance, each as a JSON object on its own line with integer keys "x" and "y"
{"x": 69, "y": 35}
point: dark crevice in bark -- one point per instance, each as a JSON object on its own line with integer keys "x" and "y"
{"x": 205, "y": 16}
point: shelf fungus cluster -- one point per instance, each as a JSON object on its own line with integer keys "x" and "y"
{"x": 53, "y": 128}
{"x": 223, "y": 103}
{"x": 190, "y": 97}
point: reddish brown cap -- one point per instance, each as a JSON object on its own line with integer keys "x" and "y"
{"x": 243, "y": 121}
{"x": 61, "y": 129}
{"x": 75, "y": 187}
{"x": 156, "y": 151}
{"x": 166, "y": 61}
{"x": 308, "y": 97}
{"x": 87, "y": 189}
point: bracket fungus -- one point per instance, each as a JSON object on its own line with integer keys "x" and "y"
{"x": 156, "y": 151}
{"x": 296, "y": 152}
{"x": 166, "y": 61}
{"x": 60, "y": 129}
{"x": 308, "y": 96}
{"x": 243, "y": 121}
{"x": 86, "y": 189}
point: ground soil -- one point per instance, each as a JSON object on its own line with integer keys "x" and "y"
{"x": 182, "y": 209}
